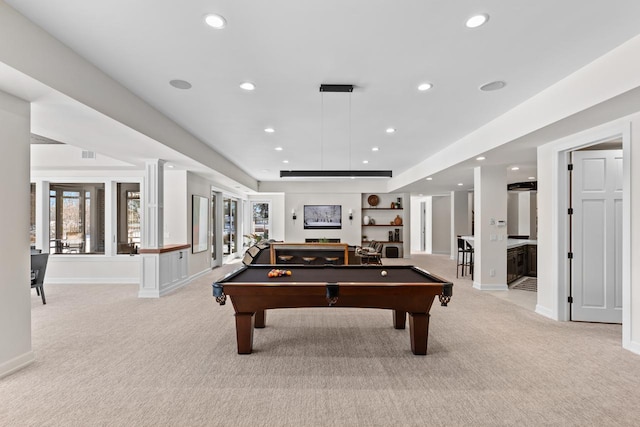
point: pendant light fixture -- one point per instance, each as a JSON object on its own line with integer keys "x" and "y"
{"x": 333, "y": 173}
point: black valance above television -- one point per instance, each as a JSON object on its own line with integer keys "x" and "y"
{"x": 322, "y": 217}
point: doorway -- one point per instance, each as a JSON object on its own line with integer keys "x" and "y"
{"x": 596, "y": 187}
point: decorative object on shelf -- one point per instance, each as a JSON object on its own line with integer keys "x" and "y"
{"x": 366, "y": 220}
{"x": 396, "y": 235}
{"x": 399, "y": 203}
{"x": 373, "y": 200}
{"x": 397, "y": 221}
{"x": 391, "y": 235}
{"x": 372, "y": 221}
{"x": 393, "y": 205}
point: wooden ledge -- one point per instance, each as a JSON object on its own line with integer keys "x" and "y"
{"x": 164, "y": 249}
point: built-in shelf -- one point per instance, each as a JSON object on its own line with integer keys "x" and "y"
{"x": 382, "y": 218}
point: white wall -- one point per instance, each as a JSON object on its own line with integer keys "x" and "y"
{"x": 351, "y": 230}
{"x": 198, "y": 186}
{"x": 459, "y": 219}
{"x": 175, "y": 207}
{"x": 441, "y": 224}
{"x": 490, "y": 239}
{"x": 15, "y": 294}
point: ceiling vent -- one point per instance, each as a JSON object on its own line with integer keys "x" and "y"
{"x": 88, "y": 154}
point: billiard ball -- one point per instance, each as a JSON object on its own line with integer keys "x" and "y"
{"x": 383, "y": 273}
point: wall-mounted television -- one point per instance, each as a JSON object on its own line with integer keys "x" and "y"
{"x": 322, "y": 217}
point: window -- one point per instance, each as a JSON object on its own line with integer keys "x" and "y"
{"x": 260, "y": 219}
{"x": 76, "y": 218}
{"x": 230, "y": 236}
{"x": 128, "y": 218}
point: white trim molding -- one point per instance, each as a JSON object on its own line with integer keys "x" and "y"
{"x": 17, "y": 363}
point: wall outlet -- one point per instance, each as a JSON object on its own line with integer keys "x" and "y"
{"x": 492, "y": 272}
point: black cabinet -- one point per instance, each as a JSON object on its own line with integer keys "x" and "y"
{"x": 522, "y": 261}
{"x": 532, "y": 260}
{"x": 512, "y": 265}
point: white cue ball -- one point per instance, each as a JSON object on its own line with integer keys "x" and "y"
{"x": 383, "y": 272}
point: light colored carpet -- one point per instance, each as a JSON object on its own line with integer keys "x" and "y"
{"x": 107, "y": 358}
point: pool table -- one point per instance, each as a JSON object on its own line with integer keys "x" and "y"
{"x": 403, "y": 289}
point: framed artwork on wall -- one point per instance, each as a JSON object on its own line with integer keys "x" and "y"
{"x": 200, "y": 224}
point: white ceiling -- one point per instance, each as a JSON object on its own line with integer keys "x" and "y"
{"x": 288, "y": 48}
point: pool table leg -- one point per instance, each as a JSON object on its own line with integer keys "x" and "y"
{"x": 399, "y": 319}
{"x": 244, "y": 332}
{"x": 419, "y": 331}
{"x": 260, "y": 319}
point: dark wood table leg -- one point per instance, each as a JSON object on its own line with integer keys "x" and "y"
{"x": 260, "y": 319}
{"x": 244, "y": 332}
{"x": 419, "y": 332}
{"x": 399, "y": 319}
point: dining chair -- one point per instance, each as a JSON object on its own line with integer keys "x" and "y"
{"x": 38, "y": 268}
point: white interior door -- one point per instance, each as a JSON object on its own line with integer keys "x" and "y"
{"x": 596, "y": 285}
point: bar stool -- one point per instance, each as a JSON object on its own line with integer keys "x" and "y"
{"x": 465, "y": 257}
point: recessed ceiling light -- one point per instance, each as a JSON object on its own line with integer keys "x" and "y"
{"x": 170, "y": 166}
{"x": 391, "y": 130}
{"x": 269, "y": 130}
{"x": 460, "y": 184}
{"x": 375, "y": 149}
{"x": 497, "y": 85}
{"x": 247, "y": 86}
{"x": 532, "y": 177}
{"x": 180, "y": 84}
{"x": 429, "y": 178}
{"x": 477, "y": 20}
{"x": 215, "y": 21}
{"x": 365, "y": 161}
{"x": 424, "y": 86}
{"x": 515, "y": 168}
{"x": 278, "y": 148}
{"x": 480, "y": 158}
{"x": 285, "y": 161}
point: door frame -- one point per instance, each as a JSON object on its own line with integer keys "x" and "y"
{"x": 560, "y": 227}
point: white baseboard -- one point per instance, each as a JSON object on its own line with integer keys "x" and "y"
{"x": 490, "y": 287}
{"x": 632, "y": 346}
{"x": 17, "y": 363}
{"x": 92, "y": 281}
{"x": 176, "y": 285}
{"x": 546, "y": 312}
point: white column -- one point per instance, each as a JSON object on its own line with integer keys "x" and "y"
{"x": 15, "y": 303}
{"x": 490, "y": 242}
{"x": 110, "y": 217}
{"x": 154, "y": 268}
{"x": 459, "y": 219}
{"x": 153, "y": 204}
